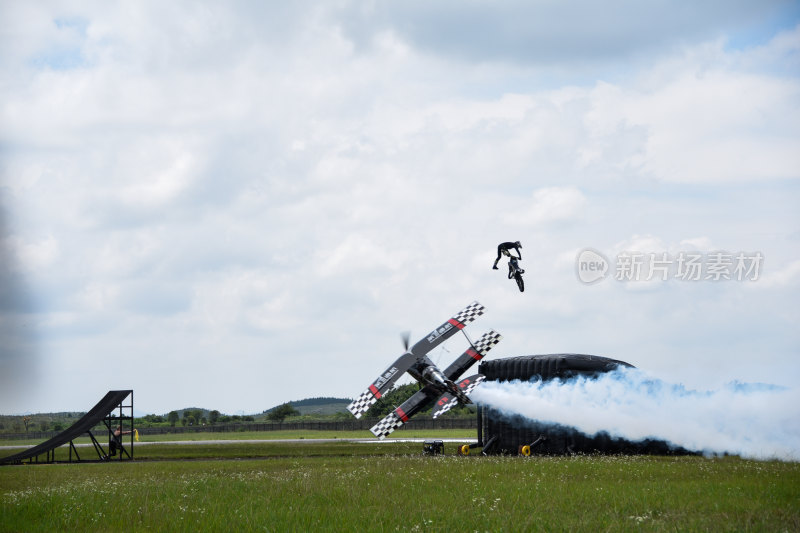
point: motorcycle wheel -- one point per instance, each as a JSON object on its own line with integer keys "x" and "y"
{"x": 520, "y": 283}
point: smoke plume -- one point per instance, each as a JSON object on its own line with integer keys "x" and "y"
{"x": 752, "y": 420}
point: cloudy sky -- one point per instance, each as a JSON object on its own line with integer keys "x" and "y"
{"x": 233, "y": 205}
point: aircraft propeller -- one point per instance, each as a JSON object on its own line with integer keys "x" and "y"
{"x": 406, "y": 337}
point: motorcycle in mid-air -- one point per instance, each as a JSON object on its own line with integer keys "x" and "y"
{"x": 515, "y": 272}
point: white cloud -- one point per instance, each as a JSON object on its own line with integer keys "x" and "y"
{"x": 702, "y": 244}
{"x": 553, "y": 34}
{"x": 549, "y": 205}
{"x": 274, "y": 184}
{"x": 714, "y": 128}
{"x": 35, "y": 255}
{"x": 156, "y": 185}
{"x": 784, "y": 277}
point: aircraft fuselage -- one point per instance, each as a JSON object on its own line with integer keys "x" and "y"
{"x": 428, "y": 373}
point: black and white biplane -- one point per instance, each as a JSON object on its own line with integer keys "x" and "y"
{"x": 439, "y": 387}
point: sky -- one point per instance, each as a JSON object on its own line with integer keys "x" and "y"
{"x": 234, "y": 205}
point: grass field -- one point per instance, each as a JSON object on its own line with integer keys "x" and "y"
{"x": 345, "y": 486}
{"x": 467, "y": 434}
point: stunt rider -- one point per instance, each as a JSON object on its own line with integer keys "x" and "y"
{"x": 504, "y": 248}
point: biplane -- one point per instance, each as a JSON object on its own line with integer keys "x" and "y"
{"x": 437, "y": 386}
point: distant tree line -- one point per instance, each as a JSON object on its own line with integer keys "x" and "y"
{"x": 194, "y": 416}
{"x": 282, "y": 412}
{"x": 44, "y": 422}
{"x": 321, "y": 400}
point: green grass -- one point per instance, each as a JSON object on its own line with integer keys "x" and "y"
{"x": 343, "y": 486}
{"x": 160, "y": 447}
{"x": 466, "y": 434}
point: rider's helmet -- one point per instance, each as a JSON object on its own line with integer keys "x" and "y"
{"x": 519, "y": 245}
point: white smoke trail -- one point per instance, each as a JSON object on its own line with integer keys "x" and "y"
{"x": 751, "y": 420}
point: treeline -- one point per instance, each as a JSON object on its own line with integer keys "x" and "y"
{"x": 189, "y": 417}
{"x": 322, "y": 400}
{"x": 52, "y": 422}
{"x": 42, "y": 422}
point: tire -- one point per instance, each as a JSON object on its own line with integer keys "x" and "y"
{"x": 520, "y": 283}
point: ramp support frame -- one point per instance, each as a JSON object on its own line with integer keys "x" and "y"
{"x": 112, "y": 412}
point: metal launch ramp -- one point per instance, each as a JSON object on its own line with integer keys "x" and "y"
{"x": 110, "y": 411}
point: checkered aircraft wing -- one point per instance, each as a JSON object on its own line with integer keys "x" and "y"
{"x": 458, "y": 322}
{"x": 447, "y": 400}
{"x": 400, "y": 416}
{"x": 473, "y": 354}
{"x": 380, "y": 386}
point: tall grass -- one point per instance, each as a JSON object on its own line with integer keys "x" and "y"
{"x": 354, "y": 489}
